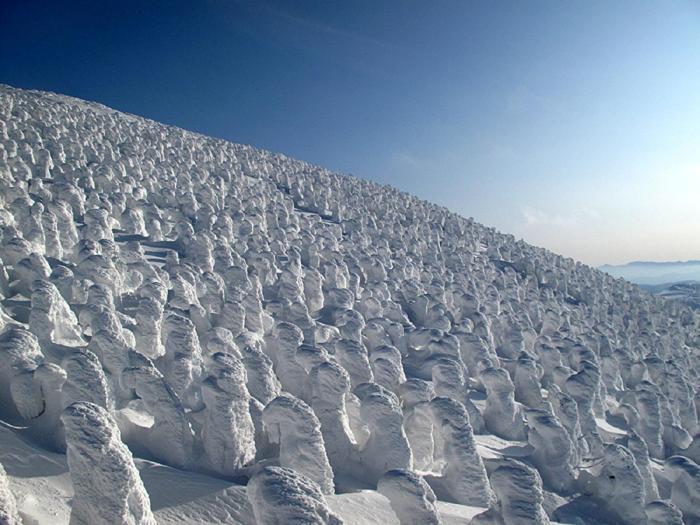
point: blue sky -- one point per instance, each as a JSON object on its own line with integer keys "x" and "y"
{"x": 575, "y": 125}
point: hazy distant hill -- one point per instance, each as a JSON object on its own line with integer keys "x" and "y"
{"x": 687, "y": 292}
{"x": 651, "y": 273}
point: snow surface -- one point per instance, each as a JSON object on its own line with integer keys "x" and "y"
{"x": 194, "y": 331}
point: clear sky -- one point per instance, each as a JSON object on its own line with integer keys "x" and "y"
{"x": 575, "y": 125}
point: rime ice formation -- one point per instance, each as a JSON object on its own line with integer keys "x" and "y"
{"x": 639, "y": 450}
{"x": 618, "y": 483}
{"x": 262, "y": 382}
{"x": 552, "y": 450}
{"x": 411, "y": 497}
{"x": 685, "y": 490}
{"x": 295, "y": 428}
{"x": 228, "y": 433}
{"x": 352, "y": 356}
{"x": 519, "y": 497}
{"x": 21, "y": 356}
{"x": 449, "y": 381}
{"x": 501, "y": 415}
{"x": 182, "y": 363}
{"x": 663, "y": 513}
{"x": 280, "y": 496}
{"x": 107, "y": 485}
{"x": 418, "y": 421}
{"x": 149, "y": 318}
{"x": 331, "y": 385}
{"x": 48, "y": 382}
{"x": 223, "y": 309}
{"x": 51, "y": 319}
{"x": 169, "y": 439}
{"x": 8, "y": 505}
{"x": 462, "y": 478}
{"x": 386, "y": 447}
{"x": 85, "y": 379}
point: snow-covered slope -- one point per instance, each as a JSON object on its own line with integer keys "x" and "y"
{"x": 194, "y": 331}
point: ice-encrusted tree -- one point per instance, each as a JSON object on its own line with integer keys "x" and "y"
{"x": 280, "y": 496}
{"x": 501, "y": 415}
{"x": 330, "y": 385}
{"x": 552, "y": 453}
{"x": 295, "y": 428}
{"x": 51, "y": 318}
{"x": 663, "y": 512}
{"x": 684, "y": 474}
{"x": 463, "y": 477}
{"x": 107, "y": 485}
{"x": 9, "y": 515}
{"x": 21, "y": 355}
{"x": 519, "y": 497}
{"x": 170, "y": 439}
{"x": 387, "y": 447}
{"x": 228, "y": 433}
{"x": 411, "y": 498}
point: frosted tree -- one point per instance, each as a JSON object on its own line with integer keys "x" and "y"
{"x": 387, "y": 447}
{"x": 552, "y": 450}
{"x": 411, "y": 498}
{"x": 280, "y": 496}
{"x": 295, "y": 428}
{"x": 501, "y": 415}
{"x": 107, "y": 485}
{"x": 330, "y": 385}
{"x": 228, "y": 434}
{"x": 51, "y": 319}
{"x": 463, "y": 477}
{"x": 170, "y": 439}
{"x": 661, "y": 512}
{"x": 684, "y": 474}
{"x": 8, "y": 505}
{"x": 519, "y": 497}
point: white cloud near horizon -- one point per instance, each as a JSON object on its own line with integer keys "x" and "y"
{"x": 536, "y": 216}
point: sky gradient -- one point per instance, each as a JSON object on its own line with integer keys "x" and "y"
{"x": 574, "y": 125}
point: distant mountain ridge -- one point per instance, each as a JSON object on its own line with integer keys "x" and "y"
{"x": 653, "y": 272}
{"x": 656, "y": 263}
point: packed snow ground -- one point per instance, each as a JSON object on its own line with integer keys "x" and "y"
{"x": 194, "y": 331}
